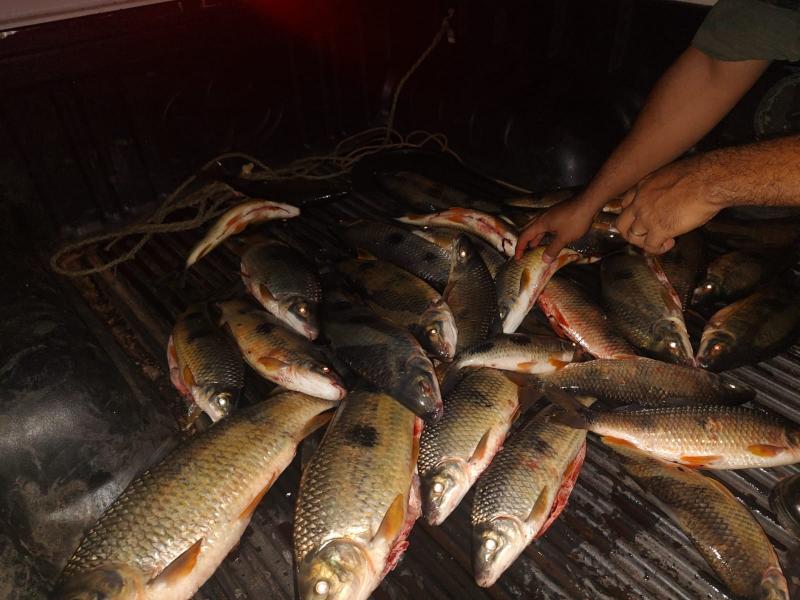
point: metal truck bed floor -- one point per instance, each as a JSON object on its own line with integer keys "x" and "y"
{"x": 610, "y": 541}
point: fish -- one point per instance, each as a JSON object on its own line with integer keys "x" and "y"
{"x": 470, "y": 294}
{"x": 753, "y": 233}
{"x": 384, "y": 354}
{"x": 549, "y": 199}
{"x": 444, "y": 238}
{"x": 644, "y": 307}
{"x": 493, "y": 230}
{"x": 204, "y": 365}
{"x": 427, "y": 195}
{"x": 601, "y": 238}
{"x": 785, "y": 501}
{"x": 523, "y": 492}
{"x": 454, "y": 451}
{"x": 519, "y": 283}
{"x": 279, "y": 354}
{"x": 736, "y": 274}
{"x": 704, "y": 436}
{"x": 519, "y": 352}
{"x": 166, "y": 534}
{"x": 573, "y": 314}
{"x": 682, "y": 264}
{"x": 234, "y": 221}
{"x": 750, "y": 329}
{"x": 358, "y": 499}
{"x": 722, "y": 530}
{"x": 400, "y": 247}
{"x": 285, "y": 284}
{"x": 407, "y": 301}
{"x": 647, "y": 382}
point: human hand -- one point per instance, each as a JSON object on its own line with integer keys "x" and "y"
{"x": 567, "y": 221}
{"x": 669, "y": 202}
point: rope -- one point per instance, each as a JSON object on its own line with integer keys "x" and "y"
{"x": 214, "y": 198}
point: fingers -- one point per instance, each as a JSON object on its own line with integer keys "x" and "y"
{"x": 553, "y": 249}
{"x": 629, "y": 196}
{"x": 530, "y": 237}
{"x": 624, "y": 222}
{"x": 657, "y": 244}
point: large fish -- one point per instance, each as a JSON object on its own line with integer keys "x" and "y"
{"x": 523, "y": 491}
{"x": 575, "y": 316}
{"x": 384, "y": 354}
{"x": 279, "y": 354}
{"x": 407, "y": 301}
{"x": 644, "y": 307}
{"x": 285, "y": 284}
{"x": 489, "y": 228}
{"x": 519, "y": 283}
{"x": 427, "y": 195}
{"x": 705, "y": 436}
{"x": 204, "y": 365}
{"x": 750, "y": 329}
{"x": 785, "y": 501}
{"x": 723, "y": 531}
{"x": 444, "y": 238}
{"x": 549, "y": 199}
{"x": 647, "y": 382}
{"x": 399, "y": 246}
{"x": 753, "y": 233}
{"x": 470, "y": 294}
{"x": 455, "y": 451}
{"x": 235, "y": 220}
{"x": 682, "y": 264}
{"x": 736, "y": 274}
{"x": 172, "y": 527}
{"x": 358, "y": 499}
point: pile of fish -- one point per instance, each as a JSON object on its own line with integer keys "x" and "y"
{"x": 444, "y": 364}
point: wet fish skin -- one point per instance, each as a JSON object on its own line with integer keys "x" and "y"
{"x": 386, "y": 355}
{"x": 722, "y": 530}
{"x": 755, "y": 234}
{"x": 732, "y": 276}
{"x": 407, "y": 301}
{"x": 204, "y": 365}
{"x": 647, "y": 382}
{"x": 444, "y": 238}
{"x": 644, "y": 307}
{"x": 575, "y": 316}
{"x": 285, "y": 284}
{"x": 358, "y": 499}
{"x": 520, "y": 352}
{"x": 522, "y": 492}
{"x": 427, "y": 195}
{"x": 785, "y": 501}
{"x": 499, "y": 234}
{"x": 519, "y": 283}
{"x": 399, "y": 246}
{"x": 455, "y": 451}
{"x": 470, "y": 294}
{"x": 279, "y": 354}
{"x": 682, "y": 264}
{"x": 194, "y": 504}
{"x": 235, "y": 220}
{"x": 750, "y": 329}
{"x": 704, "y": 436}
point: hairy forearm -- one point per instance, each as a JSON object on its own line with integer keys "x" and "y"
{"x": 764, "y": 173}
{"x": 692, "y": 96}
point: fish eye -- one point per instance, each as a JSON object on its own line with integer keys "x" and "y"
{"x": 709, "y": 286}
{"x": 325, "y": 369}
{"x": 432, "y": 332}
{"x": 490, "y": 544}
{"x": 322, "y": 587}
{"x": 716, "y": 347}
{"x": 302, "y": 309}
{"x": 462, "y": 253}
{"x": 222, "y": 401}
{"x": 438, "y": 487}
{"x": 673, "y": 345}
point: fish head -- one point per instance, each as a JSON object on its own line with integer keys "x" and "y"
{"x": 773, "y": 585}
{"x": 709, "y": 289}
{"x": 715, "y": 349}
{"x": 462, "y": 251}
{"x": 496, "y": 544}
{"x": 440, "y": 331}
{"x": 216, "y": 402}
{"x": 443, "y": 487}
{"x": 317, "y": 379}
{"x": 734, "y": 392}
{"x": 301, "y": 315}
{"x": 340, "y": 570}
{"x": 419, "y": 390}
{"x": 113, "y": 582}
{"x": 672, "y": 342}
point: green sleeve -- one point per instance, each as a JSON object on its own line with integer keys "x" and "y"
{"x": 751, "y": 29}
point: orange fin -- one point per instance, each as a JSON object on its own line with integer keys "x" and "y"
{"x": 250, "y": 508}
{"x": 524, "y": 280}
{"x": 188, "y": 378}
{"x": 482, "y": 448}
{"x": 181, "y": 567}
{"x": 613, "y": 441}
{"x": 558, "y": 364}
{"x": 765, "y": 450}
{"x": 393, "y": 520}
{"x": 362, "y": 254}
{"x": 171, "y": 352}
{"x": 699, "y": 461}
{"x": 315, "y": 423}
{"x": 526, "y": 366}
{"x": 540, "y": 507}
{"x": 271, "y": 364}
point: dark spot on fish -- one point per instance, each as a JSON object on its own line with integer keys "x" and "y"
{"x": 365, "y": 266}
{"x": 623, "y": 274}
{"x": 244, "y": 310}
{"x": 363, "y": 435}
{"x": 395, "y": 238}
{"x": 541, "y": 447}
{"x": 361, "y": 320}
{"x": 482, "y": 399}
{"x": 519, "y": 340}
{"x": 199, "y": 334}
{"x": 429, "y": 257}
{"x": 265, "y": 328}
{"x": 481, "y": 348}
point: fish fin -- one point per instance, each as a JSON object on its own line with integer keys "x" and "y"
{"x": 699, "y": 461}
{"x": 615, "y": 441}
{"x": 527, "y": 396}
{"x": 525, "y": 280}
{"x": 539, "y": 507}
{"x": 181, "y": 567}
{"x": 251, "y": 507}
{"x": 415, "y": 444}
{"x": 188, "y": 377}
{"x": 271, "y": 364}
{"x": 482, "y": 448}
{"x": 315, "y": 423}
{"x": 362, "y": 254}
{"x": 558, "y": 364}
{"x": 265, "y": 293}
{"x": 523, "y": 379}
{"x": 765, "y": 450}
{"x": 565, "y": 489}
{"x": 393, "y": 520}
{"x": 573, "y": 414}
{"x": 172, "y": 354}
{"x": 448, "y": 288}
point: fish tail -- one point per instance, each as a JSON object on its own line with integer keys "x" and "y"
{"x": 573, "y": 413}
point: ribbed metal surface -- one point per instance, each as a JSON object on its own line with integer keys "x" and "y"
{"x": 610, "y": 541}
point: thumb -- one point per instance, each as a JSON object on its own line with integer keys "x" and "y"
{"x": 553, "y": 249}
{"x": 533, "y": 233}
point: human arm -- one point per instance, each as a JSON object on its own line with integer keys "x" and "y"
{"x": 682, "y": 196}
